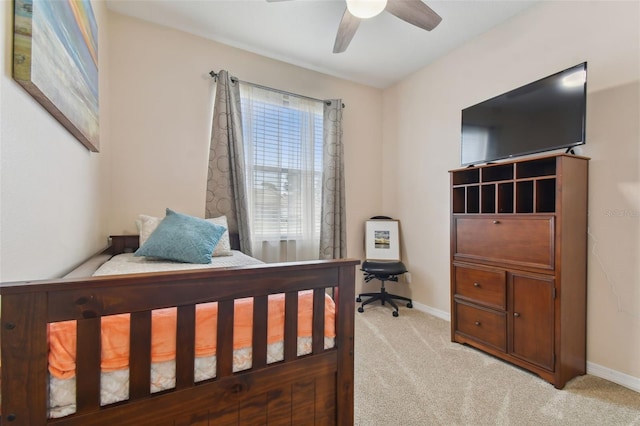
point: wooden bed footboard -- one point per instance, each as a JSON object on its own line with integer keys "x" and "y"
{"x": 310, "y": 389}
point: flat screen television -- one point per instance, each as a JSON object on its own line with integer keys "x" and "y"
{"x": 545, "y": 115}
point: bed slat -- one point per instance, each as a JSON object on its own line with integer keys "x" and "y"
{"x": 318, "y": 320}
{"x": 185, "y": 346}
{"x": 260, "y": 315}
{"x": 224, "y": 346}
{"x": 88, "y": 365}
{"x": 140, "y": 358}
{"x": 290, "y": 326}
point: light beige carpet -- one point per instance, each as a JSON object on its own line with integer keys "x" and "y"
{"x": 408, "y": 372}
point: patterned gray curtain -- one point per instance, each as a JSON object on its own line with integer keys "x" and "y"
{"x": 333, "y": 243}
{"x": 226, "y": 190}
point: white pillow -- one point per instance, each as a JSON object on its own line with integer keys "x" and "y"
{"x": 224, "y": 246}
{"x": 147, "y": 224}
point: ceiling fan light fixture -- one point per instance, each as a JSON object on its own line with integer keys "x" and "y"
{"x": 364, "y": 9}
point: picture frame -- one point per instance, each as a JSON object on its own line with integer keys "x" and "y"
{"x": 55, "y": 59}
{"x": 382, "y": 240}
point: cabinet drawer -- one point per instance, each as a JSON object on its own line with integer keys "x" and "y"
{"x": 484, "y": 286}
{"x": 486, "y": 326}
{"x": 527, "y": 242}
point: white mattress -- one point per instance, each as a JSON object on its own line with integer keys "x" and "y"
{"x": 127, "y": 263}
{"x": 114, "y": 386}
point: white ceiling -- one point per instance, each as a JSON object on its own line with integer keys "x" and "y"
{"x": 302, "y": 32}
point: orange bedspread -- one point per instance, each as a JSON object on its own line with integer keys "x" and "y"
{"x": 115, "y": 332}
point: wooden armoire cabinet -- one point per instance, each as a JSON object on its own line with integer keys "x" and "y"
{"x": 518, "y": 263}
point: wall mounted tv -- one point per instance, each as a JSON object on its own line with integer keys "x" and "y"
{"x": 545, "y": 115}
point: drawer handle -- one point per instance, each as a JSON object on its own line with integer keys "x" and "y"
{"x": 476, "y": 284}
{"x": 515, "y": 314}
{"x": 496, "y": 222}
{"x": 477, "y": 323}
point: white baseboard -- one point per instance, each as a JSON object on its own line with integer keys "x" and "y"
{"x": 432, "y": 311}
{"x": 614, "y": 376}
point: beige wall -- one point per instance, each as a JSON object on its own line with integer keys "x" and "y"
{"x": 54, "y": 193}
{"x": 161, "y": 103}
{"x": 422, "y": 133}
{"x": 614, "y": 228}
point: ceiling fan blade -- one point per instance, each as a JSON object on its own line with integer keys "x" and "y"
{"x": 347, "y": 29}
{"x": 414, "y": 12}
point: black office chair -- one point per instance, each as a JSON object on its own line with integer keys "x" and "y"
{"x": 383, "y": 270}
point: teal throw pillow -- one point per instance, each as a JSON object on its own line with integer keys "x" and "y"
{"x": 182, "y": 238}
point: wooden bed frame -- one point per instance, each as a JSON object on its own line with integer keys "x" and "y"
{"x": 311, "y": 389}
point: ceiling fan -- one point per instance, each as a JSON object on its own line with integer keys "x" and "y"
{"x": 412, "y": 11}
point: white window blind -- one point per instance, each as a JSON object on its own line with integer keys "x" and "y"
{"x": 283, "y": 149}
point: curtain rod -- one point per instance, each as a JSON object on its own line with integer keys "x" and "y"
{"x": 214, "y": 75}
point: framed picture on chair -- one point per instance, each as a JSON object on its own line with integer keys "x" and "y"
{"x": 382, "y": 240}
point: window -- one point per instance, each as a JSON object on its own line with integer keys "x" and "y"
{"x": 282, "y": 135}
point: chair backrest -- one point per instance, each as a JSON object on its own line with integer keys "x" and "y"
{"x": 382, "y": 239}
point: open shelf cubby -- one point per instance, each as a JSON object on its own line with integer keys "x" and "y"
{"x": 546, "y": 195}
{"x": 524, "y": 196}
{"x": 466, "y": 176}
{"x": 488, "y": 199}
{"x": 536, "y": 168}
{"x": 526, "y": 186}
{"x": 505, "y": 197}
{"x": 521, "y": 186}
{"x": 473, "y": 199}
{"x": 496, "y": 173}
{"x": 458, "y": 197}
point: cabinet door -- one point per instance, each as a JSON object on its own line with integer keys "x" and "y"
{"x": 532, "y": 319}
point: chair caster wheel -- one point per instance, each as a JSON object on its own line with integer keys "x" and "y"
{"x": 360, "y": 309}
{"x": 358, "y": 300}
{"x": 395, "y": 313}
{"x": 409, "y": 305}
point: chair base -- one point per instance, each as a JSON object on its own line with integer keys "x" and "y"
{"x": 383, "y": 297}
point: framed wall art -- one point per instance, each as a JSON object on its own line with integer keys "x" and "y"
{"x": 55, "y": 58}
{"x": 382, "y": 240}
